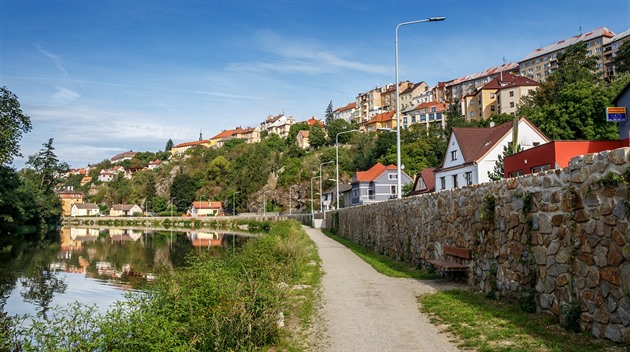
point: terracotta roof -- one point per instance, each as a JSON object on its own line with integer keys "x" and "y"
{"x": 224, "y": 134}
{"x": 510, "y": 66}
{"x": 596, "y": 33}
{"x": 155, "y": 162}
{"x": 386, "y": 116}
{"x": 128, "y": 154}
{"x": 475, "y": 142}
{"x": 374, "y": 172}
{"x": 304, "y": 133}
{"x": 508, "y": 81}
{"x": 428, "y": 176}
{"x": 207, "y": 205}
{"x": 347, "y": 107}
{"x": 190, "y": 144}
{"x": 122, "y": 207}
{"x": 312, "y": 121}
{"x": 439, "y": 107}
{"x": 88, "y": 206}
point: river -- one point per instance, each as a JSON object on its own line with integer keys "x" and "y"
{"x": 96, "y": 266}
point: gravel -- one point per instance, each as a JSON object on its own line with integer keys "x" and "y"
{"x": 363, "y": 310}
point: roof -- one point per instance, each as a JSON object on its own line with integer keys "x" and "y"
{"x": 510, "y": 66}
{"x": 438, "y": 106}
{"x": 224, "y": 134}
{"x": 190, "y": 144}
{"x": 304, "y": 133}
{"x": 312, "y": 121}
{"x": 207, "y": 205}
{"x": 347, "y": 107}
{"x": 596, "y": 33}
{"x": 128, "y": 154}
{"x": 428, "y": 176}
{"x": 374, "y": 172}
{"x": 272, "y": 119}
{"x": 122, "y": 207}
{"x": 386, "y": 116}
{"x": 155, "y": 162}
{"x": 508, "y": 81}
{"x": 87, "y": 206}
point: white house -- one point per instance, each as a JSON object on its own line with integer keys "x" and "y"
{"x": 206, "y": 209}
{"x": 84, "y": 209}
{"x": 124, "y": 210}
{"x": 473, "y": 152}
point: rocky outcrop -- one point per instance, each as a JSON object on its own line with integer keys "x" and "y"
{"x": 562, "y": 235}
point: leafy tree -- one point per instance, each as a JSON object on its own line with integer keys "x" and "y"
{"x": 293, "y": 131}
{"x": 46, "y": 164}
{"x": 621, "y": 61}
{"x": 385, "y": 144}
{"x": 233, "y": 142}
{"x": 364, "y": 156}
{"x": 329, "y": 113}
{"x": 13, "y": 123}
{"x": 218, "y": 169}
{"x": 183, "y": 191}
{"x": 169, "y": 145}
{"x": 317, "y": 136}
{"x": 337, "y": 126}
{"x": 11, "y": 214}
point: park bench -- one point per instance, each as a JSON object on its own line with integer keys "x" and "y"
{"x": 458, "y": 255}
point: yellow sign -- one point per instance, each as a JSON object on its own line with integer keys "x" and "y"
{"x": 616, "y": 114}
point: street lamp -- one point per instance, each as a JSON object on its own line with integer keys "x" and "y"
{"x": 337, "y": 154}
{"x": 398, "y": 163}
{"x": 312, "y": 212}
{"x": 290, "y": 202}
{"x": 265, "y": 203}
{"x": 321, "y": 208}
{"x": 234, "y": 203}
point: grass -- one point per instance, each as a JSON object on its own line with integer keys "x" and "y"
{"x": 383, "y": 264}
{"x": 488, "y": 325}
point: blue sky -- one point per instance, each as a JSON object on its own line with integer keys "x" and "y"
{"x": 102, "y": 77}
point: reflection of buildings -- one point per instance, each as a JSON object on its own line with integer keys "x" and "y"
{"x": 122, "y": 235}
{"x": 206, "y": 239}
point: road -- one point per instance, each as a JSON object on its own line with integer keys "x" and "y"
{"x": 364, "y": 310}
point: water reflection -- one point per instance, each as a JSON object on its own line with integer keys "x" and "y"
{"x": 96, "y": 266}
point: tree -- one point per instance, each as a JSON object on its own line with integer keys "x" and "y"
{"x": 498, "y": 172}
{"x": 621, "y": 61}
{"x": 183, "y": 191}
{"x": 317, "y": 136}
{"x": 46, "y": 164}
{"x": 293, "y": 131}
{"x": 336, "y": 126}
{"x": 169, "y": 145}
{"x": 329, "y": 113}
{"x": 13, "y": 123}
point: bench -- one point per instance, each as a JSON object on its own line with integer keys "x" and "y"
{"x": 458, "y": 254}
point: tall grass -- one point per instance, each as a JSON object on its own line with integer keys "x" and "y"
{"x": 213, "y": 304}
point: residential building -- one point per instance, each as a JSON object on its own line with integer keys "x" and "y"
{"x": 541, "y": 62}
{"x": 623, "y": 100}
{"x": 84, "y": 209}
{"x": 386, "y": 120}
{"x": 553, "y": 155}
{"x": 424, "y": 182}
{"x": 118, "y": 158}
{"x": 68, "y": 197}
{"x": 108, "y": 175}
{"x": 279, "y": 125}
{"x": 425, "y": 114}
{"x": 313, "y": 122}
{"x": 347, "y": 113}
{"x": 302, "y": 139}
{"x": 473, "y": 152}
{"x": 249, "y": 134}
{"x": 459, "y": 87}
{"x": 206, "y": 239}
{"x": 124, "y": 210}
{"x": 502, "y": 95}
{"x": 368, "y": 104}
{"x": 610, "y": 52}
{"x": 329, "y": 198}
{"x": 206, "y": 209}
{"x": 377, "y": 184}
{"x": 155, "y": 164}
{"x": 183, "y": 147}
{"x": 408, "y": 94}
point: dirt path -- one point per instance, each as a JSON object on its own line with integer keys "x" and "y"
{"x": 364, "y": 310}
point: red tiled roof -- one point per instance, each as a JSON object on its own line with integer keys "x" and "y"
{"x": 509, "y": 80}
{"x": 386, "y": 116}
{"x": 347, "y": 107}
{"x": 190, "y": 144}
{"x": 510, "y": 66}
{"x": 374, "y": 172}
{"x": 428, "y": 176}
{"x": 475, "y": 142}
{"x": 312, "y": 121}
{"x": 439, "y": 107}
{"x": 122, "y": 207}
{"x": 207, "y": 205}
{"x": 224, "y": 134}
{"x": 304, "y": 133}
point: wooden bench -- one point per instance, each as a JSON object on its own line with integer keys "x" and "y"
{"x": 456, "y": 265}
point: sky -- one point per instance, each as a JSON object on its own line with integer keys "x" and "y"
{"x": 103, "y": 77}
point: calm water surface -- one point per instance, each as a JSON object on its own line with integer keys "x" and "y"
{"x": 97, "y": 266}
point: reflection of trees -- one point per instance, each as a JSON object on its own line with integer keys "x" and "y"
{"x": 41, "y": 288}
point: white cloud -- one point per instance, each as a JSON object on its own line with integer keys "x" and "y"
{"x": 55, "y": 58}
{"x": 64, "y": 95}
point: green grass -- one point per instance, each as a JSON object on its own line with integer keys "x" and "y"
{"x": 384, "y": 264}
{"x": 488, "y": 325}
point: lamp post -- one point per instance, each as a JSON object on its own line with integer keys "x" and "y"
{"x": 290, "y": 201}
{"x": 172, "y": 198}
{"x": 265, "y": 203}
{"x": 321, "y": 208}
{"x": 234, "y": 203}
{"x": 398, "y": 163}
{"x": 337, "y": 159}
{"x": 312, "y": 212}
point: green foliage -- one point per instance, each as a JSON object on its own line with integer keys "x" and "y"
{"x": 293, "y": 131}
{"x": 570, "y": 317}
{"x": 489, "y": 206}
{"x": 337, "y": 126}
{"x": 183, "y": 191}
{"x": 317, "y": 136}
{"x": 169, "y": 145}
{"x": 498, "y": 172}
{"x": 13, "y": 123}
{"x": 329, "y": 113}
{"x": 621, "y": 60}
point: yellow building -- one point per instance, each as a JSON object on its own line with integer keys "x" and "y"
{"x": 69, "y": 197}
{"x": 502, "y": 95}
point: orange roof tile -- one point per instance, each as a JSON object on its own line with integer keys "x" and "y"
{"x": 224, "y": 134}
{"x": 386, "y": 116}
{"x": 207, "y": 205}
{"x": 190, "y": 144}
{"x": 374, "y": 172}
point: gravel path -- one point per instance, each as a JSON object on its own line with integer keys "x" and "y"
{"x": 364, "y": 310}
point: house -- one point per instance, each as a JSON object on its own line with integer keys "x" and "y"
{"x": 623, "y": 100}
{"x": 206, "y": 209}
{"x": 249, "y": 134}
{"x": 108, "y": 175}
{"x": 377, "y": 184}
{"x": 386, "y": 120}
{"x": 279, "y": 124}
{"x": 118, "y": 158}
{"x": 424, "y": 182}
{"x": 408, "y": 94}
{"x": 124, "y": 210}
{"x": 314, "y": 121}
{"x": 501, "y": 95}
{"x": 459, "y": 87}
{"x": 329, "y": 199}
{"x": 68, "y": 197}
{"x": 155, "y": 164}
{"x": 183, "y": 147}
{"x": 302, "y": 139}
{"x": 84, "y": 209}
{"x": 473, "y": 152}
{"x": 346, "y": 113}
{"x": 553, "y": 155}
{"x": 85, "y": 180}
{"x": 425, "y": 114}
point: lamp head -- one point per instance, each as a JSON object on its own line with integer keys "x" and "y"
{"x": 435, "y": 19}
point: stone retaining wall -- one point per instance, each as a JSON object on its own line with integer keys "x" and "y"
{"x": 560, "y": 236}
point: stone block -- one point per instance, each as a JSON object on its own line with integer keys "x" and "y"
{"x": 613, "y": 332}
{"x": 602, "y": 315}
{"x": 615, "y": 256}
{"x": 562, "y": 256}
{"x": 592, "y": 279}
{"x": 601, "y": 256}
{"x": 540, "y": 255}
{"x": 620, "y": 211}
{"x": 618, "y": 156}
{"x": 591, "y": 200}
{"x": 557, "y": 270}
{"x": 611, "y": 275}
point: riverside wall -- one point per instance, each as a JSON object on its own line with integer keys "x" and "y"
{"x": 560, "y": 237}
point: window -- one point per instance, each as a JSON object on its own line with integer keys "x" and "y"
{"x": 455, "y": 185}
{"x": 472, "y": 114}
{"x": 392, "y": 176}
{"x": 516, "y": 173}
{"x": 540, "y": 168}
{"x": 468, "y": 177}
{"x": 454, "y": 155}
{"x": 420, "y": 185}
{"x": 511, "y": 104}
{"x": 511, "y": 93}
{"x": 355, "y": 193}
{"x": 492, "y": 95}
{"x": 492, "y": 108}
{"x": 392, "y": 189}
{"x": 443, "y": 182}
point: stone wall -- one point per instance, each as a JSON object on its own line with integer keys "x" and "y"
{"x": 561, "y": 237}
